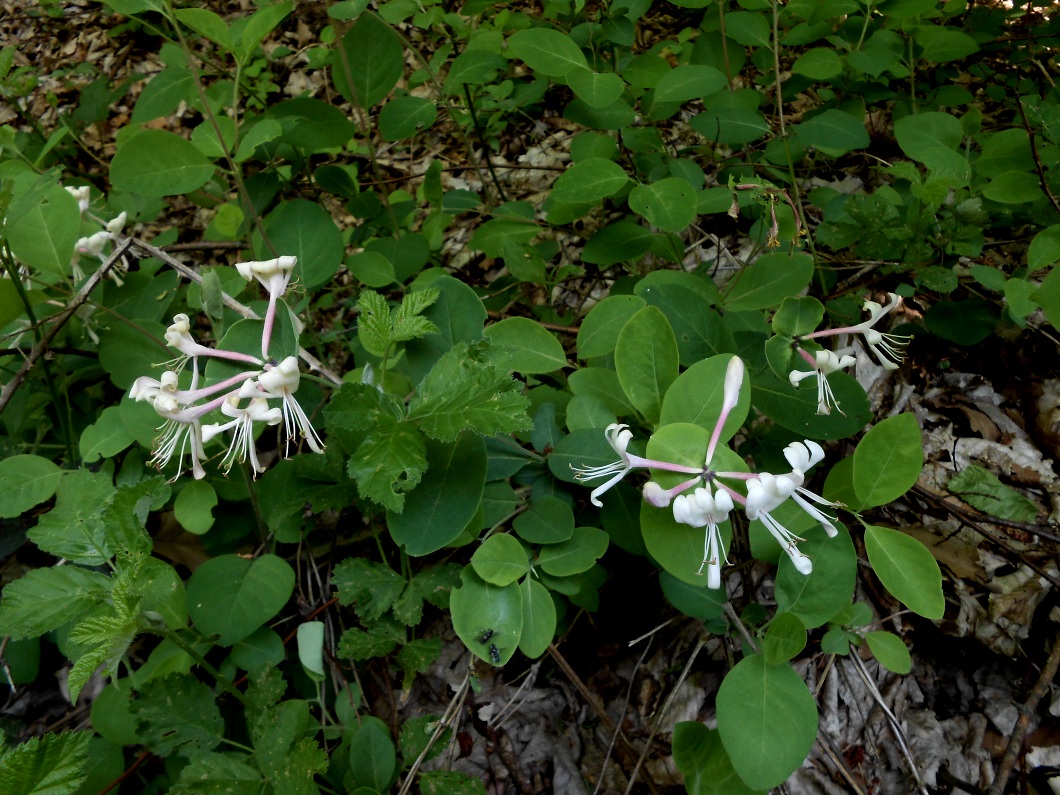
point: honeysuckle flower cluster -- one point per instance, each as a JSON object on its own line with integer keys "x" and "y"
{"x": 243, "y": 399}
{"x": 95, "y": 245}
{"x": 889, "y": 350}
{"x": 706, "y": 500}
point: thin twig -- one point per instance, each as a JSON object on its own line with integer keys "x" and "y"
{"x": 230, "y": 302}
{"x": 451, "y": 711}
{"x": 1026, "y": 709}
{"x": 896, "y": 727}
{"x": 60, "y": 320}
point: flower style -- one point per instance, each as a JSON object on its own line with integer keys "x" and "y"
{"x": 281, "y": 382}
{"x": 824, "y": 363}
{"x": 619, "y": 437}
{"x": 241, "y": 424}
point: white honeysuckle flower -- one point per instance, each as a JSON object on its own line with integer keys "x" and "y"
{"x": 281, "y": 382}
{"x": 765, "y": 493}
{"x": 117, "y": 224}
{"x": 656, "y": 495}
{"x": 82, "y": 194}
{"x": 147, "y": 388}
{"x": 179, "y": 434}
{"x": 93, "y": 245}
{"x": 825, "y": 363}
{"x": 274, "y": 275}
{"x": 803, "y": 455}
{"x": 241, "y": 424}
{"x": 701, "y": 508}
{"x": 619, "y": 437}
{"x": 889, "y": 349}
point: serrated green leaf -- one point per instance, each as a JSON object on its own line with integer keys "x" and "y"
{"x": 45, "y": 599}
{"x": 373, "y": 586}
{"x": 982, "y": 490}
{"x": 178, "y": 713}
{"x": 389, "y": 462}
{"x": 468, "y": 389}
{"x": 381, "y": 639}
{"x": 50, "y": 765}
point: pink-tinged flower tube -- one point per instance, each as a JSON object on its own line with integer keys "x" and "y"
{"x": 281, "y": 382}
{"x": 274, "y": 275}
{"x": 178, "y": 336}
{"x": 889, "y": 349}
{"x": 729, "y": 398}
{"x": 619, "y": 437}
{"x": 701, "y": 508}
{"x": 824, "y": 363}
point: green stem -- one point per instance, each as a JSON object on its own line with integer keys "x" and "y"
{"x": 190, "y": 650}
{"x": 64, "y": 417}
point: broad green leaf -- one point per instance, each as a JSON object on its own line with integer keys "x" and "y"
{"x": 404, "y": 117}
{"x": 731, "y": 125}
{"x": 260, "y": 25}
{"x": 944, "y": 43}
{"x": 26, "y": 481}
{"x": 473, "y": 67}
{"x": 603, "y": 384}
{"x": 194, "y": 506}
{"x": 785, "y": 637}
{"x": 696, "y": 601}
{"x": 159, "y": 163}
{"x": 44, "y": 237}
{"x": 469, "y": 389}
{"x": 618, "y": 242}
{"x": 549, "y": 521}
{"x": 206, "y": 23}
{"x": 264, "y": 131}
{"x": 615, "y": 116}
{"x": 45, "y": 599}
{"x": 311, "y": 124}
{"x": 833, "y": 132}
{"x": 547, "y": 52}
{"x": 128, "y": 351}
{"x": 702, "y": 760}
{"x": 590, "y": 180}
{"x": 888, "y": 460}
{"x": 575, "y": 555}
{"x": 311, "y": 649}
{"x": 1044, "y": 249}
{"x": 446, "y": 500}
{"x": 689, "y": 81}
{"x": 772, "y": 278}
{"x": 231, "y": 597}
{"x": 698, "y": 329}
{"x": 646, "y": 360}
{"x": 486, "y": 616}
{"x": 816, "y": 597}
{"x": 539, "y": 618}
{"x": 598, "y": 332}
{"x": 668, "y": 204}
{"x": 371, "y": 268}
{"x": 597, "y": 90}
{"x": 534, "y": 349}
{"x": 767, "y": 720}
{"x": 1005, "y": 150}
{"x": 373, "y": 757}
{"x": 50, "y": 765}
{"x": 748, "y": 28}
{"x": 1013, "y": 187}
{"x": 369, "y": 62}
{"x": 891, "y": 652}
{"x": 798, "y": 315}
{"x": 982, "y": 490}
{"x": 933, "y": 139}
{"x": 306, "y": 230}
{"x": 907, "y": 570}
{"x": 106, "y": 437}
{"x": 500, "y": 560}
{"x": 458, "y": 314}
{"x": 820, "y": 63}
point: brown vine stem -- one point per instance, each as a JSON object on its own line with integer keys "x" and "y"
{"x": 41, "y": 347}
{"x": 1026, "y": 709}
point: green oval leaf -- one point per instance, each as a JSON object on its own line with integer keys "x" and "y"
{"x": 785, "y": 637}
{"x": 159, "y": 163}
{"x": 702, "y": 760}
{"x": 646, "y": 360}
{"x": 500, "y": 560}
{"x": 888, "y": 460}
{"x": 549, "y": 521}
{"x": 595, "y": 89}
{"x": 370, "y": 63}
{"x": 907, "y": 570}
{"x": 404, "y": 117}
{"x": 668, "y": 204}
{"x": 539, "y": 618}
{"x": 598, "y": 333}
{"x": 590, "y": 180}
{"x": 194, "y": 506}
{"x": 816, "y": 597}
{"x": 26, "y": 481}
{"x": 575, "y": 555}
{"x": 833, "y": 132}
{"x": 772, "y": 278}
{"x": 311, "y": 649}
{"x": 891, "y": 652}
{"x": 487, "y": 615}
{"x": 767, "y": 720}
{"x": 534, "y": 348}
{"x": 231, "y": 597}
{"x": 547, "y": 52}
{"x": 306, "y": 230}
